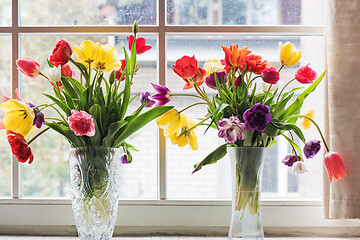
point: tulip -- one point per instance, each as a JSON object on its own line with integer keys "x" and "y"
{"x": 211, "y": 82}
{"x": 163, "y": 95}
{"x": 257, "y": 117}
{"x": 270, "y": 75}
{"x": 81, "y": 123}
{"x": 199, "y": 79}
{"x": 141, "y": 46}
{"x": 107, "y": 59}
{"x": 54, "y": 74}
{"x": 186, "y": 67}
{"x": 311, "y": 148}
{"x": 255, "y": 64}
{"x": 144, "y": 99}
{"x": 61, "y": 53}
{"x": 231, "y": 129}
{"x": 186, "y": 136}
{"x": 288, "y": 54}
{"x": 306, "y": 123}
{"x": 19, "y": 117}
{"x": 290, "y": 159}
{"x": 28, "y": 67}
{"x": 299, "y": 167}
{"x": 334, "y": 166}
{"x": 213, "y": 66}
{"x": 172, "y": 122}
{"x": 235, "y": 57}
{"x": 87, "y": 52}
{"x": 66, "y": 71}
{"x": 305, "y": 75}
{"x": 20, "y": 147}
{"x": 126, "y": 158}
{"x": 121, "y": 71}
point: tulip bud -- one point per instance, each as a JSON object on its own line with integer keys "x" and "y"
{"x": 334, "y": 166}
{"x": 238, "y": 81}
{"x": 135, "y": 27}
{"x": 299, "y": 167}
{"x": 270, "y": 75}
{"x": 28, "y": 67}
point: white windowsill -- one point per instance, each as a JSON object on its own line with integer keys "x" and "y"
{"x": 149, "y": 217}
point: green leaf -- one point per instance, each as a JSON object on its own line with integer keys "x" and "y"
{"x": 139, "y": 122}
{"x": 296, "y": 106}
{"x": 69, "y": 89}
{"x": 112, "y": 77}
{"x": 280, "y": 106}
{"x": 288, "y": 127}
{"x": 61, "y": 105}
{"x": 294, "y": 145}
{"x": 213, "y": 157}
{"x": 112, "y": 131}
{"x": 67, "y": 133}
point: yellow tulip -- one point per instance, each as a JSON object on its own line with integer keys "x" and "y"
{"x": 19, "y": 117}
{"x": 107, "y": 59}
{"x": 171, "y": 122}
{"x": 187, "y": 136}
{"x": 288, "y": 54}
{"x": 87, "y": 52}
{"x": 306, "y": 123}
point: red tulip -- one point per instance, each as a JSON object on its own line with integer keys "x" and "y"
{"x": 120, "y": 71}
{"x": 66, "y": 71}
{"x": 140, "y": 44}
{"x": 28, "y": 67}
{"x": 270, "y": 75}
{"x": 334, "y": 166}
{"x": 305, "y": 74}
{"x": 20, "y": 147}
{"x": 255, "y": 64}
{"x": 186, "y": 67}
{"x": 61, "y": 53}
{"x": 199, "y": 78}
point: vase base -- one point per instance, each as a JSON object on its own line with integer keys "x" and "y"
{"x": 247, "y": 237}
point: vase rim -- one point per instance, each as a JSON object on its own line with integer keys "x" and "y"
{"x": 245, "y": 147}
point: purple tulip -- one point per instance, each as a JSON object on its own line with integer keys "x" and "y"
{"x": 126, "y": 158}
{"x": 39, "y": 116}
{"x": 144, "y": 99}
{"x": 232, "y": 129}
{"x": 311, "y": 148}
{"x": 289, "y": 160}
{"x": 257, "y": 117}
{"x": 163, "y": 95}
{"x": 211, "y": 82}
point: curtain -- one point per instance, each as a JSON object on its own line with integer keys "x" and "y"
{"x": 342, "y": 36}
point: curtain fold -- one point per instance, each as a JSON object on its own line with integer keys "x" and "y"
{"x": 342, "y": 34}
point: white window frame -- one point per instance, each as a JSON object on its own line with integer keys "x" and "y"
{"x": 54, "y": 216}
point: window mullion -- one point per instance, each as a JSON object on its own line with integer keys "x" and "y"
{"x": 162, "y": 81}
{"x": 15, "y": 166}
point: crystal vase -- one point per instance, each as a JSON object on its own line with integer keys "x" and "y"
{"x": 94, "y": 184}
{"x": 246, "y": 168}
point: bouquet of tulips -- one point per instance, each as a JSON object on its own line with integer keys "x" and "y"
{"x": 92, "y": 110}
{"x": 242, "y": 114}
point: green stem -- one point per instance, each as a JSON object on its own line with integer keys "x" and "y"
{"x": 267, "y": 92}
{"x": 192, "y": 105}
{"x": 284, "y": 88}
{"x": 56, "y": 119}
{"x": 252, "y": 81}
{"x": 317, "y": 126}
{"x": 281, "y": 68}
{"x": 186, "y": 95}
{"x": 293, "y": 148}
{"x": 202, "y": 121}
{"x": 37, "y": 135}
{"x": 58, "y": 112}
{"x": 45, "y": 106}
{"x": 43, "y": 75}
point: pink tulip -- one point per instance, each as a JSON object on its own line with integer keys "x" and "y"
{"x": 305, "y": 74}
{"x": 334, "y": 166}
{"x": 81, "y": 123}
{"x": 270, "y": 75}
{"x": 28, "y": 67}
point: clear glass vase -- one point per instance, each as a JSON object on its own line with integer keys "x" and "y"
{"x": 246, "y": 171}
{"x": 94, "y": 184}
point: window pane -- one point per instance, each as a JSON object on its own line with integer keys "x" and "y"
{"x": 245, "y": 12}
{"x": 87, "y": 12}
{"x": 5, "y": 12}
{"x": 47, "y": 176}
{"x": 213, "y": 181}
{"x": 5, "y": 90}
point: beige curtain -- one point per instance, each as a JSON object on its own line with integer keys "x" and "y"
{"x": 342, "y": 34}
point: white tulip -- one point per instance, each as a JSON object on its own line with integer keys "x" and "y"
{"x": 299, "y": 167}
{"x": 54, "y": 74}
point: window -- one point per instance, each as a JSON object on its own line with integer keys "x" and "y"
{"x": 158, "y": 183}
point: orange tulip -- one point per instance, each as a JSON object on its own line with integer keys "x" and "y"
{"x": 334, "y": 166}
{"x": 235, "y": 57}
